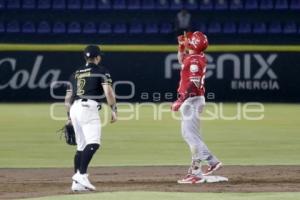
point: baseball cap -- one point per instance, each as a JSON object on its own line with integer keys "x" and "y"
{"x": 92, "y": 51}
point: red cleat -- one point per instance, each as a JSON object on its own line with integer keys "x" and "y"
{"x": 213, "y": 168}
{"x": 191, "y": 179}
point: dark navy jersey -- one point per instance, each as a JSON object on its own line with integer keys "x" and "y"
{"x": 87, "y": 81}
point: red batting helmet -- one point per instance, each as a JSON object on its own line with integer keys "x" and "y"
{"x": 196, "y": 41}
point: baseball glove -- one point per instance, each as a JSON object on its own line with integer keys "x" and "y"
{"x": 69, "y": 133}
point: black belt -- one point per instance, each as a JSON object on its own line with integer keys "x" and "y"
{"x": 98, "y": 106}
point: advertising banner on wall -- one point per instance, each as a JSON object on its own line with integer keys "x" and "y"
{"x": 142, "y": 76}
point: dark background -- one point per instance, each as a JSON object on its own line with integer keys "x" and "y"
{"x": 147, "y": 72}
{"x": 270, "y": 21}
{"x": 252, "y": 22}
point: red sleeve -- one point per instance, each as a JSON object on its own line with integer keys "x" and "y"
{"x": 181, "y": 57}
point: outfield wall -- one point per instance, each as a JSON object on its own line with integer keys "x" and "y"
{"x": 151, "y": 73}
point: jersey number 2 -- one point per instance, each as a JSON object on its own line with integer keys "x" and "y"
{"x": 80, "y": 86}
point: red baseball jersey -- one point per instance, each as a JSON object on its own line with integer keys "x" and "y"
{"x": 193, "y": 71}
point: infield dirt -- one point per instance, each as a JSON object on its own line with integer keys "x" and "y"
{"x": 25, "y": 183}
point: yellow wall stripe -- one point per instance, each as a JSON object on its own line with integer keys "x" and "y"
{"x": 148, "y": 48}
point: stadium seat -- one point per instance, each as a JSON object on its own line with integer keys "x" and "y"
{"x": 28, "y": 4}
{"x": 59, "y": 4}
{"x": 148, "y": 4}
{"x": 13, "y": 4}
{"x": 214, "y": 27}
{"x": 74, "y": 28}
{"x": 251, "y": 4}
{"x": 166, "y": 28}
{"x": 162, "y": 5}
{"x": 44, "y": 4}
{"x": 275, "y": 27}
{"x": 73, "y": 4}
{"x": 236, "y": 4}
{"x": 2, "y": 4}
{"x": 201, "y": 26}
{"x": 120, "y": 28}
{"x": 266, "y": 4}
{"x": 28, "y": 27}
{"x": 221, "y": 5}
{"x": 281, "y": 4}
{"x": 295, "y": 5}
{"x": 191, "y": 5}
{"x": 2, "y": 27}
{"x": 119, "y": 4}
{"x": 89, "y": 5}
{"x": 229, "y": 27}
{"x": 104, "y": 4}
{"x": 43, "y": 27}
{"x": 151, "y": 28}
{"x": 133, "y": 4}
{"x": 244, "y": 28}
{"x": 290, "y": 28}
{"x": 13, "y": 27}
{"x": 89, "y": 28}
{"x": 259, "y": 28}
{"x": 59, "y": 28}
{"x": 135, "y": 28}
{"x": 104, "y": 28}
{"x": 206, "y": 5}
{"x": 176, "y": 4}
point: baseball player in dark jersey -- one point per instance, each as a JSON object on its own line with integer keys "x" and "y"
{"x": 88, "y": 83}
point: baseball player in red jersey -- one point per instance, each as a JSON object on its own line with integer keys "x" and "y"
{"x": 191, "y": 101}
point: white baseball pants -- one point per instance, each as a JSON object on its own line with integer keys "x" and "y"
{"x": 190, "y": 129}
{"x": 86, "y": 122}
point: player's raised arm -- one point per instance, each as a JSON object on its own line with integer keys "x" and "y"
{"x": 182, "y": 44}
{"x": 181, "y": 48}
